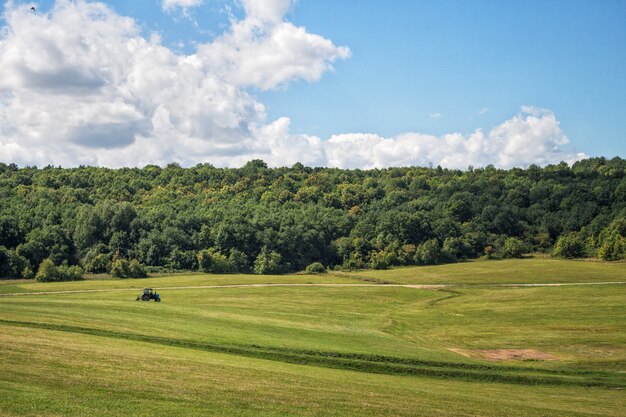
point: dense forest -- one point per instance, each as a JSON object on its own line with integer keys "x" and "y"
{"x": 272, "y": 220}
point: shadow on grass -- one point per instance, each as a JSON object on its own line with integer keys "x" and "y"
{"x": 378, "y": 364}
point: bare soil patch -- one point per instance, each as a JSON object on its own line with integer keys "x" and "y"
{"x": 505, "y": 354}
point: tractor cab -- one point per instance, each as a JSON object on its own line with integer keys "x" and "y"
{"x": 149, "y": 294}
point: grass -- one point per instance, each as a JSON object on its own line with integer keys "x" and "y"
{"x": 320, "y": 351}
{"x": 509, "y": 271}
{"x": 174, "y": 280}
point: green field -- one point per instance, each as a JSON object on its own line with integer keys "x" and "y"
{"x": 321, "y": 350}
{"x": 526, "y": 271}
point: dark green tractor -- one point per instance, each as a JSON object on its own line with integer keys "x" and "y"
{"x": 149, "y": 294}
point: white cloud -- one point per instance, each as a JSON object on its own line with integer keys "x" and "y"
{"x": 182, "y": 4}
{"x": 435, "y": 115}
{"x": 266, "y": 11}
{"x": 81, "y": 85}
{"x": 531, "y": 136}
{"x": 264, "y": 51}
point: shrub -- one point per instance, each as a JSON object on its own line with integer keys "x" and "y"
{"x": 489, "y": 252}
{"x": 28, "y": 273}
{"x": 513, "y": 248}
{"x": 569, "y": 246}
{"x": 354, "y": 261}
{"x": 613, "y": 248}
{"x": 97, "y": 259}
{"x": 182, "y": 260}
{"x": 381, "y": 259}
{"x": 613, "y": 241}
{"x": 268, "y": 262}
{"x": 406, "y": 254}
{"x": 455, "y": 249}
{"x": 428, "y": 253}
{"x": 315, "y": 268}
{"x": 210, "y": 260}
{"x": 49, "y": 272}
{"x": 70, "y": 273}
{"x": 100, "y": 263}
{"x": 136, "y": 270}
{"x": 121, "y": 268}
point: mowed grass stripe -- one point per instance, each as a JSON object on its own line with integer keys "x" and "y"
{"x": 364, "y": 363}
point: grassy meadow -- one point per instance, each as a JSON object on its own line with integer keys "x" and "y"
{"x": 320, "y": 351}
{"x": 536, "y": 270}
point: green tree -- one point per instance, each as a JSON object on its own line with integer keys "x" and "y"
{"x": 428, "y": 253}
{"x": 268, "y": 262}
{"x": 569, "y": 246}
{"x": 382, "y": 259}
{"x": 354, "y": 261}
{"x": 613, "y": 248}
{"x": 49, "y": 272}
{"x": 136, "y": 270}
{"x": 211, "y": 260}
{"x": 120, "y": 268}
{"x": 513, "y": 248}
{"x": 11, "y": 264}
{"x": 238, "y": 261}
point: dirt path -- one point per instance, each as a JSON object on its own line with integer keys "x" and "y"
{"x": 413, "y": 286}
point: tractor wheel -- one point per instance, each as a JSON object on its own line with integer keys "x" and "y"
{"x": 158, "y": 300}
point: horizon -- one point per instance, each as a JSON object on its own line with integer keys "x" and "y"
{"x": 469, "y": 168}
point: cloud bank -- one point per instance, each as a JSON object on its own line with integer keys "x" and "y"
{"x": 81, "y": 85}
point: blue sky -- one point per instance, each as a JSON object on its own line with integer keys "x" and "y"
{"x": 433, "y": 67}
{"x": 411, "y": 58}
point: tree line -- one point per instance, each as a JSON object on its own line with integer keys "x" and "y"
{"x": 276, "y": 220}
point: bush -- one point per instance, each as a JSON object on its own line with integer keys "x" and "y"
{"x": 513, "y": 248}
{"x": 381, "y": 259}
{"x": 569, "y": 246}
{"x": 613, "y": 241}
{"x": 121, "y": 268}
{"x": 354, "y": 261}
{"x": 613, "y": 248}
{"x": 70, "y": 273}
{"x": 136, "y": 270}
{"x": 428, "y": 253}
{"x": 406, "y": 254}
{"x": 97, "y": 259}
{"x": 210, "y": 260}
{"x": 28, "y": 273}
{"x": 456, "y": 249}
{"x": 182, "y": 260}
{"x": 99, "y": 264}
{"x": 268, "y": 262}
{"x": 49, "y": 272}
{"x": 489, "y": 252}
{"x": 316, "y": 268}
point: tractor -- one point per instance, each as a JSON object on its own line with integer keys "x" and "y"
{"x": 149, "y": 294}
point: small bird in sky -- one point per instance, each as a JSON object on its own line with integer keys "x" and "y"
{"x": 32, "y": 9}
